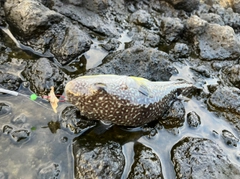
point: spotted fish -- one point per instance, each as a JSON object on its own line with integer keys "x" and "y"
{"x": 123, "y": 100}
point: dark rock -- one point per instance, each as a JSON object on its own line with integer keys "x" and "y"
{"x": 229, "y": 138}
{"x": 203, "y": 70}
{"x": 172, "y": 28}
{"x": 181, "y": 50}
{"x": 69, "y": 45}
{"x": 91, "y": 19}
{"x": 54, "y": 126}
{"x": 39, "y": 25}
{"x": 146, "y": 163}
{"x": 111, "y": 45}
{"x": 151, "y": 64}
{"x": 218, "y": 42}
{"x": 185, "y": 5}
{"x": 101, "y": 161}
{"x": 193, "y": 119}
{"x": 42, "y": 75}
{"x": 73, "y": 122}
{"x": 152, "y": 40}
{"x": 20, "y": 135}
{"x": 196, "y": 25}
{"x": 231, "y": 75}
{"x": 52, "y": 171}
{"x": 201, "y": 158}
{"x": 227, "y": 99}
{"x": 236, "y": 6}
{"x": 9, "y": 81}
{"x": 96, "y": 5}
{"x": 30, "y": 17}
{"x": 212, "y": 18}
{"x": 7, "y": 129}
{"x": 4, "y": 109}
{"x": 174, "y": 117}
{"x": 228, "y": 16}
{"x": 142, "y": 18}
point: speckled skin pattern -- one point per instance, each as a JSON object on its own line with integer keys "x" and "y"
{"x": 123, "y": 100}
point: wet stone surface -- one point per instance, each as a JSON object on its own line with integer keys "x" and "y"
{"x": 46, "y": 43}
{"x": 206, "y": 159}
{"x": 193, "y": 119}
{"x": 105, "y": 160}
{"x": 146, "y": 164}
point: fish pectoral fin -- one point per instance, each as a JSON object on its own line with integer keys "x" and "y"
{"x": 99, "y": 87}
{"x": 143, "y": 89}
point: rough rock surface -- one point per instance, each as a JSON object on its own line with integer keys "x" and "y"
{"x": 146, "y": 163}
{"x": 184, "y": 4}
{"x": 30, "y": 17}
{"x": 9, "y": 81}
{"x": 193, "y": 119}
{"x": 40, "y": 25}
{"x": 152, "y": 64}
{"x": 201, "y": 158}
{"x": 172, "y": 28}
{"x": 214, "y": 46}
{"x": 106, "y": 161}
{"x": 231, "y": 75}
{"x": 227, "y": 99}
{"x": 42, "y": 75}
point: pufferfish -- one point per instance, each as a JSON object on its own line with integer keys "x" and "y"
{"x": 123, "y": 100}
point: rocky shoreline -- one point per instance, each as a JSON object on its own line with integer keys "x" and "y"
{"x": 47, "y": 43}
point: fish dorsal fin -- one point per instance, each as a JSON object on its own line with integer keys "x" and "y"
{"x": 142, "y": 85}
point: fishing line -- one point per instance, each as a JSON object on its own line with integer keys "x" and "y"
{"x": 33, "y": 97}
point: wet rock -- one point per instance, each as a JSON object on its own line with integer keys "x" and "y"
{"x": 9, "y": 81}
{"x": 228, "y": 16}
{"x": 30, "y": 17}
{"x": 96, "y": 5}
{"x": 20, "y": 135}
{"x": 174, "y": 117}
{"x": 185, "y": 5}
{"x": 227, "y": 99}
{"x": 54, "y": 126}
{"x": 152, "y": 40}
{"x": 142, "y": 18}
{"x": 51, "y": 171}
{"x": 39, "y": 25}
{"x": 212, "y": 18}
{"x": 42, "y": 75}
{"x": 91, "y": 19}
{"x": 152, "y": 64}
{"x": 229, "y": 138}
{"x": 201, "y": 158}
{"x": 196, "y": 25}
{"x": 193, "y": 119}
{"x": 7, "y": 129}
{"x": 236, "y": 6}
{"x": 180, "y": 50}
{"x": 218, "y": 42}
{"x": 69, "y": 45}
{"x": 172, "y": 28}
{"x": 73, "y": 122}
{"x": 146, "y": 163}
{"x": 4, "y": 109}
{"x": 111, "y": 45}
{"x": 231, "y": 75}
{"x": 202, "y": 69}
{"x": 101, "y": 161}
